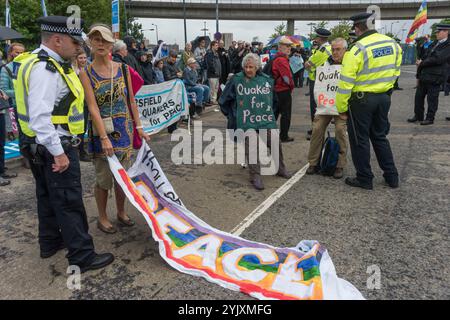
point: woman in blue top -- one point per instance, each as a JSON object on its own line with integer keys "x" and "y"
{"x": 110, "y": 127}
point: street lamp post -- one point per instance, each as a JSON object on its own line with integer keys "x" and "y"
{"x": 393, "y": 24}
{"x": 204, "y": 28}
{"x": 157, "y": 39}
{"x": 217, "y": 16}
{"x": 311, "y": 24}
{"x": 184, "y": 20}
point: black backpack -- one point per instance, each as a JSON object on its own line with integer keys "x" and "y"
{"x": 268, "y": 67}
{"x": 330, "y": 156}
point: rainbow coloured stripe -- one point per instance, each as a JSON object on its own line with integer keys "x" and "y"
{"x": 421, "y": 18}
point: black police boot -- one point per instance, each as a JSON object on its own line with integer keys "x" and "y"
{"x": 99, "y": 261}
{"x": 447, "y": 118}
{"x": 426, "y": 122}
{"x": 284, "y": 173}
{"x": 354, "y": 182}
{"x": 48, "y": 254}
{"x": 392, "y": 183}
{"x": 414, "y": 119}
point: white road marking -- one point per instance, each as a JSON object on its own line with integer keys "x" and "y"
{"x": 237, "y": 231}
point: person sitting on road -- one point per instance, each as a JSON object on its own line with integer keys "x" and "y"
{"x": 190, "y": 78}
{"x": 321, "y": 122}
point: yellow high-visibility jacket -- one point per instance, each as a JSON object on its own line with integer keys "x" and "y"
{"x": 371, "y": 65}
{"x": 318, "y": 58}
{"x": 69, "y": 111}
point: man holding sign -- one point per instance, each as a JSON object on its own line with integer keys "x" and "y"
{"x": 327, "y": 77}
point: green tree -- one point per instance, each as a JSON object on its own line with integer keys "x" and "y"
{"x": 341, "y": 30}
{"x": 24, "y": 14}
{"x": 389, "y": 34}
{"x": 280, "y": 30}
{"x": 135, "y": 31}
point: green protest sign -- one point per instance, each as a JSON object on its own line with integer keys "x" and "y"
{"x": 254, "y": 98}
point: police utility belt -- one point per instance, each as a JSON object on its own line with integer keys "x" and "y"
{"x": 35, "y": 152}
{"x": 362, "y": 94}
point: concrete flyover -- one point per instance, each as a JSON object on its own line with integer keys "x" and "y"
{"x": 283, "y": 9}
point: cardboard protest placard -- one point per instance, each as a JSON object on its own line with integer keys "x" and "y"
{"x": 325, "y": 88}
{"x": 254, "y": 98}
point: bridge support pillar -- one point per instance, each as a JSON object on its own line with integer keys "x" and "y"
{"x": 290, "y": 27}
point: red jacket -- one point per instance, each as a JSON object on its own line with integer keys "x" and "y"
{"x": 280, "y": 69}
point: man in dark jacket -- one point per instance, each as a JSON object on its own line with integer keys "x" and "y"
{"x": 171, "y": 72}
{"x": 432, "y": 73}
{"x": 170, "y": 69}
{"x": 224, "y": 62}
{"x": 130, "y": 59}
{"x": 146, "y": 66}
{"x": 213, "y": 69}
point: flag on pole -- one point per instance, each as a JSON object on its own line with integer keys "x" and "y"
{"x": 421, "y": 18}
{"x": 44, "y": 9}
{"x": 7, "y": 15}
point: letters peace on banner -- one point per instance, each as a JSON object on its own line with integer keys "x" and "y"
{"x": 191, "y": 246}
{"x": 325, "y": 88}
{"x": 161, "y": 105}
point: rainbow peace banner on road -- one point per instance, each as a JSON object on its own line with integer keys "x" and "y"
{"x": 191, "y": 246}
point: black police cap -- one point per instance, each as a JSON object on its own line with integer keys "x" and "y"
{"x": 442, "y": 26}
{"x": 64, "y": 25}
{"x": 324, "y": 33}
{"x": 360, "y": 17}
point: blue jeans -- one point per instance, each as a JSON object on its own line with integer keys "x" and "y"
{"x": 2, "y": 143}
{"x": 201, "y": 93}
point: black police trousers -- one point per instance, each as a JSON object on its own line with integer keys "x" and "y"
{"x": 370, "y": 124}
{"x": 61, "y": 213}
{"x": 431, "y": 91}
{"x": 312, "y": 101}
{"x": 285, "y": 110}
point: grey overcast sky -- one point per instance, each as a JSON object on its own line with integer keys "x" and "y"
{"x": 171, "y": 30}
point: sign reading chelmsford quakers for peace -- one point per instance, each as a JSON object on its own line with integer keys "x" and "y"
{"x": 325, "y": 88}
{"x": 191, "y": 246}
{"x": 162, "y": 104}
{"x": 254, "y": 100}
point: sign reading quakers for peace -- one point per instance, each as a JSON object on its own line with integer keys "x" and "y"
{"x": 325, "y": 88}
{"x": 161, "y": 105}
{"x": 191, "y": 246}
{"x": 254, "y": 98}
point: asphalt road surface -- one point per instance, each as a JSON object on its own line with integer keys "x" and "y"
{"x": 403, "y": 232}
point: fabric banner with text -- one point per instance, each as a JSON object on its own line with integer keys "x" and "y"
{"x": 161, "y": 105}
{"x": 191, "y": 246}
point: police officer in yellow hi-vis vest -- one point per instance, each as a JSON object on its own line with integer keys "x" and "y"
{"x": 369, "y": 71}
{"x": 50, "y": 100}
{"x": 317, "y": 59}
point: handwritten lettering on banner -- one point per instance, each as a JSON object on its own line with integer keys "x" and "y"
{"x": 325, "y": 88}
{"x": 161, "y": 105}
{"x": 190, "y": 245}
{"x": 254, "y": 98}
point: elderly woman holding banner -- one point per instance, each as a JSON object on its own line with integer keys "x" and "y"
{"x": 112, "y": 110}
{"x": 248, "y": 103}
